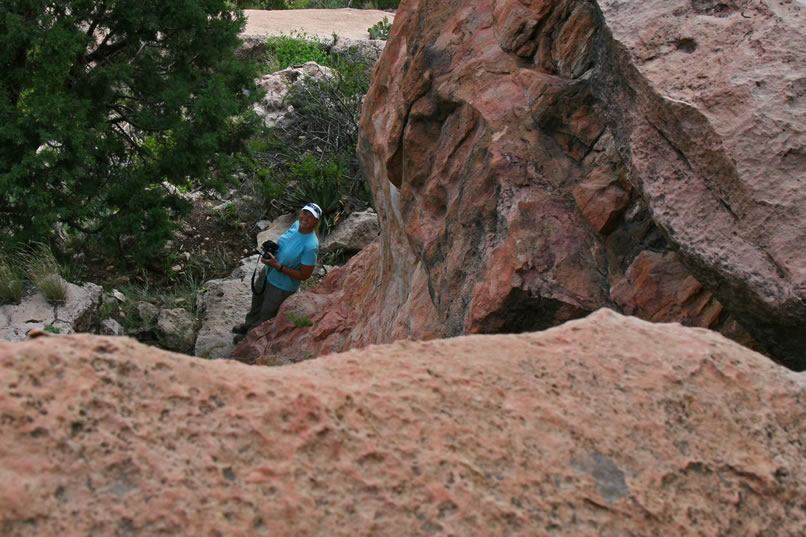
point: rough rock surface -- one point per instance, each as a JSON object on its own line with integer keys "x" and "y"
{"x": 77, "y": 314}
{"x": 110, "y": 327}
{"x": 370, "y": 49}
{"x": 535, "y": 160}
{"x": 353, "y": 234}
{"x": 273, "y": 108}
{"x": 604, "y": 426}
{"x": 276, "y": 229}
{"x": 221, "y": 306}
{"x": 175, "y": 330}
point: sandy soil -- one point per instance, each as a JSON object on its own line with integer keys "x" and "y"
{"x": 349, "y": 23}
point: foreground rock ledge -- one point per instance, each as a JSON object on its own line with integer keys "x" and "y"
{"x": 603, "y": 426}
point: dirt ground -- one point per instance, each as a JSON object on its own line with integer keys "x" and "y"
{"x": 347, "y": 22}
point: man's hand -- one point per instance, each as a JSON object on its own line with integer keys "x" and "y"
{"x": 271, "y": 261}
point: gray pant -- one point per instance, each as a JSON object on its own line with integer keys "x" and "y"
{"x": 265, "y": 306}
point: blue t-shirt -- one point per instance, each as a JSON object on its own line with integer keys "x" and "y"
{"x": 295, "y": 249}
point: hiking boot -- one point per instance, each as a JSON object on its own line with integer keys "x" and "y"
{"x": 239, "y": 329}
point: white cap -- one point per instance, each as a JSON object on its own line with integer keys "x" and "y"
{"x": 314, "y": 210}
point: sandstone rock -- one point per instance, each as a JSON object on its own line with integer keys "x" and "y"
{"x": 175, "y": 330}
{"x": 352, "y": 234}
{"x": 276, "y": 229}
{"x": 370, "y": 49}
{"x": 148, "y": 313}
{"x": 76, "y": 314}
{"x": 273, "y": 108}
{"x": 604, "y": 426}
{"x": 110, "y": 327}
{"x": 223, "y": 305}
{"x": 530, "y": 158}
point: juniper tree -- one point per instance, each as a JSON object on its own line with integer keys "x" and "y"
{"x": 106, "y": 105}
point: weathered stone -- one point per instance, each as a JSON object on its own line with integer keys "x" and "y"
{"x": 175, "y": 330}
{"x": 76, "y": 314}
{"x": 278, "y": 226}
{"x": 369, "y": 49}
{"x": 148, "y": 313}
{"x": 221, "y": 306}
{"x": 273, "y": 108}
{"x": 352, "y": 234}
{"x": 603, "y": 426}
{"x": 110, "y": 327}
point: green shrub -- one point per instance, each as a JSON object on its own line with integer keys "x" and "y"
{"x": 11, "y": 279}
{"x": 44, "y": 271}
{"x": 380, "y": 30}
{"x": 295, "y": 49}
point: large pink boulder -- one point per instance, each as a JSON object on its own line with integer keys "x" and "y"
{"x": 535, "y": 160}
{"x": 603, "y": 426}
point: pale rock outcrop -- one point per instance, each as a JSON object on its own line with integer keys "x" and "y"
{"x": 148, "y": 313}
{"x": 534, "y": 160}
{"x": 222, "y": 305}
{"x": 110, "y": 327}
{"x": 273, "y": 108}
{"x": 352, "y": 234}
{"x": 175, "y": 330}
{"x": 369, "y": 49}
{"x": 603, "y": 426}
{"x": 276, "y": 229}
{"x": 76, "y": 314}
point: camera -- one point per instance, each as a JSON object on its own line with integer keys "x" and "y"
{"x": 269, "y": 247}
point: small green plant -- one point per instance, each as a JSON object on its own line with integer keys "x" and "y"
{"x": 335, "y": 257}
{"x": 380, "y": 30}
{"x": 299, "y": 321}
{"x": 11, "y": 279}
{"x": 295, "y": 49}
{"x": 50, "y": 329}
{"x": 229, "y": 215}
{"x": 45, "y": 273}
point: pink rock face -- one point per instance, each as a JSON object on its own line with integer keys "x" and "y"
{"x": 532, "y": 160}
{"x": 604, "y": 426}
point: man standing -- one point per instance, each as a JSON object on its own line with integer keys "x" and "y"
{"x": 296, "y": 257}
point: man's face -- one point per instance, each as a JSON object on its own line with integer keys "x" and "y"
{"x": 307, "y": 222}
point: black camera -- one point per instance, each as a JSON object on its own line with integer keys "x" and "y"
{"x": 269, "y": 247}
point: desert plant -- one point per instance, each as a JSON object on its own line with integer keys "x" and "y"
{"x": 44, "y": 271}
{"x": 380, "y": 30}
{"x": 295, "y": 49}
{"x": 321, "y": 182}
{"x": 11, "y": 279}
{"x": 299, "y": 321}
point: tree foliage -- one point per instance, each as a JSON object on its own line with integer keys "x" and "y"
{"x": 108, "y": 106}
